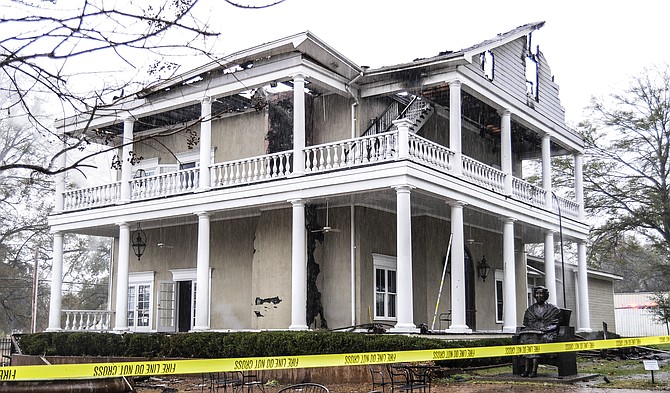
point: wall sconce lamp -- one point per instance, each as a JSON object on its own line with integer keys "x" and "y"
{"x": 483, "y": 269}
{"x": 139, "y": 242}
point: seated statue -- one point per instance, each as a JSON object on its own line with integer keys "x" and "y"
{"x": 540, "y": 325}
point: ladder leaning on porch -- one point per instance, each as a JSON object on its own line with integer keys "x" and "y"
{"x": 439, "y": 293}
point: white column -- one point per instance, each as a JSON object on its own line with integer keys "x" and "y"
{"x": 583, "y": 282}
{"x": 458, "y": 314}
{"x": 403, "y": 137}
{"x": 56, "y": 284}
{"x": 404, "y": 288}
{"x": 205, "y": 143}
{"x": 455, "y": 126}
{"x": 126, "y": 166}
{"x": 579, "y": 184}
{"x": 202, "y": 274}
{"x": 298, "y": 125}
{"x": 509, "y": 278}
{"x": 121, "y": 314}
{"x": 506, "y": 149}
{"x": 550, "y": 267}
{"x": 298, "y": 267}
{"x": 60, "y": 178}
{"x": 546, "y": 169}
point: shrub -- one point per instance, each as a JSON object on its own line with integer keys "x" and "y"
{"x": 208, "y": 345}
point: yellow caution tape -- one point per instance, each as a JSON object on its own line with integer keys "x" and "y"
{"x": 171, "y": 367}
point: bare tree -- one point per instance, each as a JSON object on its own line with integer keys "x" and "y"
{"x": 49, "y": 51}
{"x": 627, "y": 173}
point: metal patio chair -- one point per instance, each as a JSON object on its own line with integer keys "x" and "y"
{"x": 304, "y": 388}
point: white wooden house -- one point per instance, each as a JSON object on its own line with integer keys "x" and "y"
{"x": 287, "y": 187}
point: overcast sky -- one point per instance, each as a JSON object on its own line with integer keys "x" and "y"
{"x": 593, "y": 47}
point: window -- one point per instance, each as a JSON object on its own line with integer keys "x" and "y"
{"x": 140, "y": 288}
{"x": 385, "y": 286}
{"x": 488, "y": 64}
{"x": 499, "y": 296}
{"x": 531, "y": 65}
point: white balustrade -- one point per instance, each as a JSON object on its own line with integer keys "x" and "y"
{"x": 364, "y": 150}
{"x": 528, "y": 193}
{"x": 164, "y": 184}
{"x": 429, "y": 152}
{"x": 568, "y": 208}
{"x": 351, "y": 152}
{"x": 83, "y": 198}
{"x": 97, "y": 320}
{"x": 249, "y": 170}
{"x": 483, "y": 175}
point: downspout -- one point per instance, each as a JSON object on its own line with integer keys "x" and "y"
{"x": 352, "y": 208}
{"x": 354, "y": 104}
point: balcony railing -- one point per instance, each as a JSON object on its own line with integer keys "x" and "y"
{"x": 165, "y": 184}
{"x": 423, "y": 150}
{"x": 96, "y": 196}
{"x": 249, "y": 170}
{"x": 93, "y": 320}
{"x": 366, "y": 150}
{"x": 352, "y": 152}
{"x": 483, "y": 175}
{"x": 528, "y": 193}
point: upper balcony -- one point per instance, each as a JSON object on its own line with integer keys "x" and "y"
{"x": 378, "y": 149}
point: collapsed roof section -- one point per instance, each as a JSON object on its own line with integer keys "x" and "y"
{"x": 231, "y": 82}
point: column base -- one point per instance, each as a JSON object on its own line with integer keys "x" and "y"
{"x": 584, "y": 330}
{"x": 458, "y": 329}
{"x": 54, "y": 329}
{"x": 298, "y": 327}
{"x": 404, "y": 328}
{"x": 200, "y": 329}
{"x": 120, "y": 330}
{"x": 509, "y": 329}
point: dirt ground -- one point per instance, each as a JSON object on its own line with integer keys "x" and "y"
{"x": 504, "y": 384}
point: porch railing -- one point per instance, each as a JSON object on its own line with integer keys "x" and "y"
{"x": 165, "y": 184}
{"x": 249, "y": 170}
{"x": 320, "y": 158}
{"x": 94, "y": 320}
{"x": 529, "y": 193}
{"x": 352, "y": 152}
{"x": 568, "y": 208}
{"x": 431, "y": 153}
{"x": 92, "y": 196}
{"x": 483, "y": 175}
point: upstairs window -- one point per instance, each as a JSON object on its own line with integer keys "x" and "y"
{"x": 532, "y": 73}
{"x": 488, "y": 64}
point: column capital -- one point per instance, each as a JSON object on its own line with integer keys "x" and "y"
{"x": 508, "y": 220}
{"x": 403, "y": 187}
{"x": 549, "y": 232}
{"x": 457, "y": 203}
{"x": 455, "y": 83}
{"x": 297, "y": 201}
{"x": 505, "y": 112}
{"x": 123, "y": 224}
{"x": 298, "y": 77}
{"x": 202, "y": 214}
{"x": 206, "y": 100}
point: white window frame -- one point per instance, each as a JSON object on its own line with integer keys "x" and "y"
{"x": 499, "y": 303}
{"x": 386, "y": 263}
{"x": 136, "y": 280}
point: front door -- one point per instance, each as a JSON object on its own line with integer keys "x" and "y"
{"x": 184, "y": 305}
